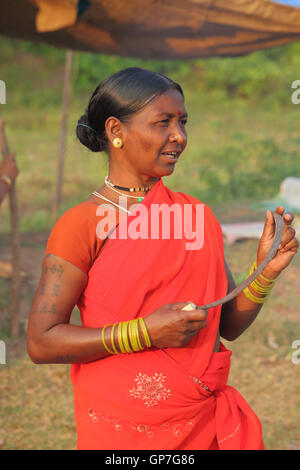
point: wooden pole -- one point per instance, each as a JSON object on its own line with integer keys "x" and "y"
{"x": 15, "y": 243}
{"x": 63, "y": 135}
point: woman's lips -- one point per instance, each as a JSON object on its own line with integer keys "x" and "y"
{"x": 169, "y": 158}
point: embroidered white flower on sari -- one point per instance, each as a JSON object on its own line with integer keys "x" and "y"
{"x": 150, "y": 389}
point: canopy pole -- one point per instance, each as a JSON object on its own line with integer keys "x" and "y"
{"x": 63, "y": 135}
{"x": 15, "y": 243}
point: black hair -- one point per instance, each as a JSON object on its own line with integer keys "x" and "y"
{"x": 120, "y": 95}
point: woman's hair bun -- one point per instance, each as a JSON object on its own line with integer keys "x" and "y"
{"x": 121, "y": 95}
{"x": 89, "y": 137}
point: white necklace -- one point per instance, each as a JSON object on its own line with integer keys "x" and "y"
{"x": 122, "y": 194}
{"x": 100, "y": 195}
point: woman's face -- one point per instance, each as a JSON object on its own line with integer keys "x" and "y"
{"x": 149, "y": 135}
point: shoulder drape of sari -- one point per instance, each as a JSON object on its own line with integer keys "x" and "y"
{"x": 175, "y": 398}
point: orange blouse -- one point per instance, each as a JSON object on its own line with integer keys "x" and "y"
{"x": 74, "y": 237}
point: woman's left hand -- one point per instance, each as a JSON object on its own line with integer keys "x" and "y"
{"x": 287, "y": 249}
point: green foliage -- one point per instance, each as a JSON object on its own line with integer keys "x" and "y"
{"x": 90, "y": 69}
{"x": 238, "y": 278}
{"x": 255, "y": 76}
{"x": 39, "y": 221}
{"x": 242, "y": 169}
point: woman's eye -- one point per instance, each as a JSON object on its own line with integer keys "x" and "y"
{"x": 166, "y": 121}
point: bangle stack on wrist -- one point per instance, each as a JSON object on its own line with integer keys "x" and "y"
{"x": 258, "y": 287}
{"x": 128, "y": 336}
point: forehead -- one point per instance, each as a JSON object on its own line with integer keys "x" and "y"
{"x": 170, "y": 102}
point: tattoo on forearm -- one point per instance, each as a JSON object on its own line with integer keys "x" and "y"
{"x": 53, "y": 269}
{"x": 44, "y": 307}
{"x": 55, "y": 291}
{"x": 53, "y": 308}
{"x": 43, "y": 287}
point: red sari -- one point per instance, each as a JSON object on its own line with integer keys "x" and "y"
{"x": 175, "y": 398}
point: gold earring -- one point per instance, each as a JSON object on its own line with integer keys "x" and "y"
{"x": 117, "y": 142}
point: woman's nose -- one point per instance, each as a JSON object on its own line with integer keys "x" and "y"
{"x": 178, "y": 137}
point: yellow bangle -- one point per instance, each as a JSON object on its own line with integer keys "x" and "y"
{"x": 248, "y": 293}
{"x": 138, "y": 335}
{"x": 103, "y": 340}
{"x": 272, "y": 281}
{"x": 263, "y": 286}
{"x": 253, "y": 298}
{"x": 125, "y": 337}
{"x": 128, "y": 336}
{"x": 254, "y": 266}
{"x": 260, "y": 288}
{"x": 145, "y": 332}
{"x": 133, "y": 335}
{"x": 120, "y": 339}
{"x": 113, "y": 341}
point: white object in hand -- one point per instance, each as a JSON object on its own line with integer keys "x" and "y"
{"x": 190, "y": 306}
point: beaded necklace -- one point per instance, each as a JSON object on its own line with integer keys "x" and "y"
{"x": 113, "y": 186}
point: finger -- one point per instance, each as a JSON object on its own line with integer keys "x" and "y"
{"x": 293, "y": 245}
{"x": 288, "y": 235}
{"x": 269, "y": 227}
{"x": 279, "y": 210}
{"x": 288, "y": 218}
{"x": 197, "y": 315}
{"x": 197, "y": 326}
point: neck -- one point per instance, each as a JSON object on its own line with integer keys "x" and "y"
{"x": 115, "y": 194}
{"x": 132, "y": 181}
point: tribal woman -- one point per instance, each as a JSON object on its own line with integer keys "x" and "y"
{"x": 147, "y": 372}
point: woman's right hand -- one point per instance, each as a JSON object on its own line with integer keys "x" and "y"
{"x": 171, "y": 327}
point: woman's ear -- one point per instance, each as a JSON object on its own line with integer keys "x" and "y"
{"x": 113, "y": 128}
